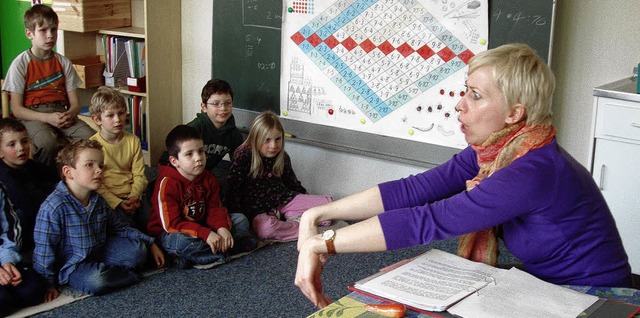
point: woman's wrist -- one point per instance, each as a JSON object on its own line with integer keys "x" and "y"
{"x": 315, "y": 244}
{"x": 310, "y": 217}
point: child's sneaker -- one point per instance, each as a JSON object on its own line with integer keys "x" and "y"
{"x": 244, "y": 244}
{"x": 181, "y": 263}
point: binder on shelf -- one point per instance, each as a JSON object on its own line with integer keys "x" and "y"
{"x": 136, "y": 84}
{"x": 116, "y": 61}
{"x": 136, "y": 81}
{"x": 137, "y": 119}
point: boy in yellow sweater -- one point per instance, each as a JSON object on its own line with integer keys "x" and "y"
{"x": 124, "y": 179}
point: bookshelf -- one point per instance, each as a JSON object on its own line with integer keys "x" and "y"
{"x": 158, "y": 23}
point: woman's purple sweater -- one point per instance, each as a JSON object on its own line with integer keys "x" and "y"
{"x": 553, "y": 216}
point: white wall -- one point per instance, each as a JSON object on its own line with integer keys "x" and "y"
{"x": 595, "y": 42}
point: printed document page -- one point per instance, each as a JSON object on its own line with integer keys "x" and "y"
{"x": 432, "y": 281}
{"x": 519, "y": 294}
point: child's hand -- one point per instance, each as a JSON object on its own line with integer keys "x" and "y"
{"x": 6, "y": 276}
{"x": 68, "y": 119}
{"x": 157, "y": 254}
{"x": 56, "y": 119}
{"x": 227, "y": 239}
{"x": 9, "y": 274}
{"x": 51, "y": 294}
{"x": 215, "y": 242}
{"x": 128, "y": 207}
{"x": 135, "y": 201}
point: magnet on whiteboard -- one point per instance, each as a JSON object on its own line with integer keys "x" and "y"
{"x": 483, "y": 41}
{"x": 290, "y": 9}
{"x": 411, "y": 132}
{"x": 285, "y": 113}
{"x": 363, "y": 121}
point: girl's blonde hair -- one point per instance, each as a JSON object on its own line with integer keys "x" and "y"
{"x": 522, "y": 77}
{"x": 262, "y": 125}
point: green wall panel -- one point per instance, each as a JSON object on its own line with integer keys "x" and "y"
{"x": 12, "y": 37}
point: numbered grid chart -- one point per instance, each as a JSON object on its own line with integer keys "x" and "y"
{"x": 380, "y": 54}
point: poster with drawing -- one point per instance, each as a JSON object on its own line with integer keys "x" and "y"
{"x": 389, "y": 67}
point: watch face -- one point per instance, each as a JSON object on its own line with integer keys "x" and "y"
{"x": 327, "y": 234}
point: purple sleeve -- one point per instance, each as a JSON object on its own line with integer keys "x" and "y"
{"x": 415, "y": 215}
{"x": 432, "y": 185}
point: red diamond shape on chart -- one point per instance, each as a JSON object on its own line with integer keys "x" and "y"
{"x": 386, "y": 47}
{"x": 367, "y": 45}
{"x": 297, "y": 38}
{"x": 349, "y": 43}
{"x": 426, "y": 52}
{"x": 314, "y": 39}
{"x": 446, "y": 54}
{"x": 405, "y": 49}
{"x": 331, "y": 41}
{"x": 466, "y": 56}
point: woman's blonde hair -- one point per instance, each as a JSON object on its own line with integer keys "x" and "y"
{"x": 262, "y": 125}
{"x": 522, "y": 77}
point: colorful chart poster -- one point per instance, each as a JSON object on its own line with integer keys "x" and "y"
{"x": 389, "y": 67}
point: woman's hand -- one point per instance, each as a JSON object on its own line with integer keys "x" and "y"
{"x": 309, "y": 271}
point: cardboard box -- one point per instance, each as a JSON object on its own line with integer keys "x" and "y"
{"x": 90, "y": 71}
{"x": 92, "y": 15}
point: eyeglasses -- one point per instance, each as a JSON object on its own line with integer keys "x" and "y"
{"x": 221, "y": 105}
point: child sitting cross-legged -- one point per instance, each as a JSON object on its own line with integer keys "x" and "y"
{"x": 124, "y": 179}
{"x": 186, "y": 213}
{"x": 263, "y": 185}
{"x": 79, "y": 240}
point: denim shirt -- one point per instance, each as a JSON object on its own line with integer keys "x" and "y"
{"x": 66, "y": 233}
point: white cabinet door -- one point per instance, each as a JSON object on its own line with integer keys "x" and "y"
{"x": 616, "y": 169}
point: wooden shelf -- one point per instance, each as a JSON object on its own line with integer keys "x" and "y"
{"x": 132, "y": 32}
{"x": 158, "y": 23}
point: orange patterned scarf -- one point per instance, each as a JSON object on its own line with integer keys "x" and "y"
{"x": 498, "y": 151}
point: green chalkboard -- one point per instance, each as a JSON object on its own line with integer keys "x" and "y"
{"x": 525, "y": 21}
{"x": 246, "y": 52}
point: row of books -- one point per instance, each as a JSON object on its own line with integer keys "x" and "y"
{"x": 124, "y": 57}
{"x": 137, "y": 123}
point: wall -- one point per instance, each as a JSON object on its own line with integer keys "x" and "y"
{"x": 12, "y": 37}
{"x": 595, "y": 42}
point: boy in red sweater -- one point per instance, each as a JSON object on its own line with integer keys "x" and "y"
{"x": 187, "y": 216}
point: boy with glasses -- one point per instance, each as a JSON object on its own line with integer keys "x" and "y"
{"x": 216, "y": 125}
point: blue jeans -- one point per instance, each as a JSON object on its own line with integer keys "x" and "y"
{"x": 29, "y": 293}
{"x": 110, "y": 268}
{"x": 197, "y": 251}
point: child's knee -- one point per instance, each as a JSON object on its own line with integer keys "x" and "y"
{"x": 46, "y": 139}
{"x": 240, "y": 222}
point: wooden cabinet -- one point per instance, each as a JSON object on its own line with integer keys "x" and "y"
{"x": 615, "y": 153}
{"x": 158, "y": 23}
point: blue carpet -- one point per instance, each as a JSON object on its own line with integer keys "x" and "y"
{"x": 256, "y": 285}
